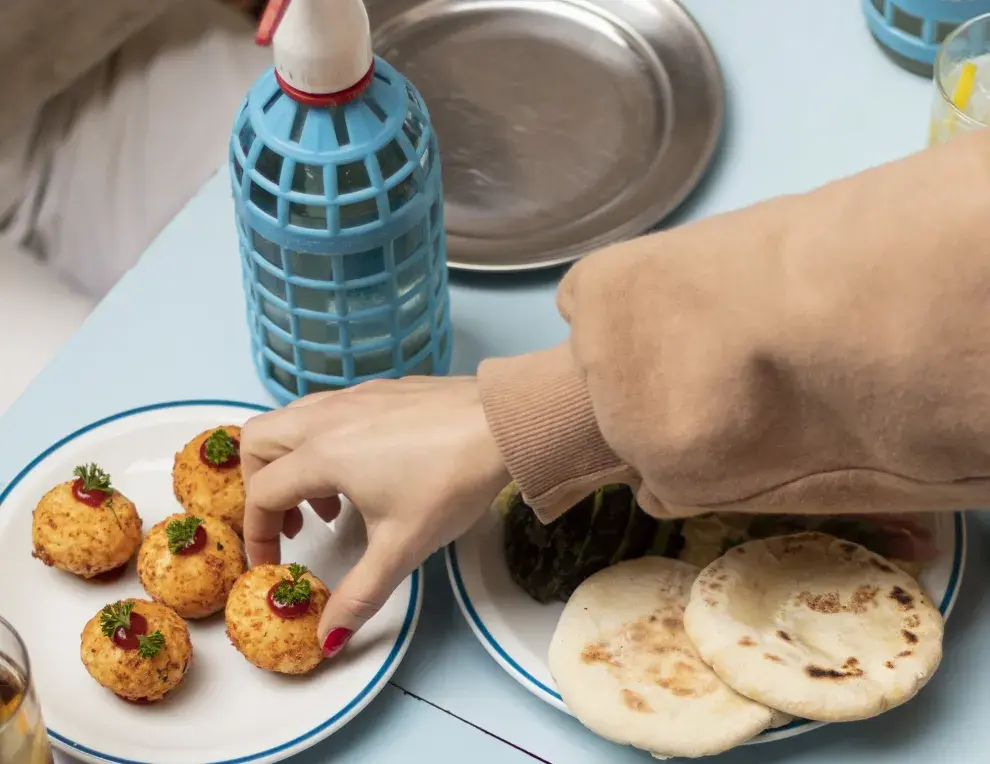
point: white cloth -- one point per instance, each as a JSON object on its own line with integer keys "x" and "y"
{"x": 126, "y": 147}
{"x": 93, "y": 177}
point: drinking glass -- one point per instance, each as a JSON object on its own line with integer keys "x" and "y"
{"x": 23, "y": 738}
{"x": 961, "y": 100}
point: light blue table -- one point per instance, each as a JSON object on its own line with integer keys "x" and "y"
{"x": 810, "y": 99}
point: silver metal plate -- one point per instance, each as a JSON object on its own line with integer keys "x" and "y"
{"x": 564, "y": 125}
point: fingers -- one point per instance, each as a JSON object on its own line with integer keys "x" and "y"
{"x": 361, "y": 594}
{"x": 327, "y": 508}
{"x": 292, "y": 523}
{"x": 268, "y": 436}
{"x": 278, "y": 488}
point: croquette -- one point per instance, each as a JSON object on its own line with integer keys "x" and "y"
{"x": 286, "y": 643}
{"x": 190, "y": 564}
{"x": 85, "y": 526}
{"x": 137, "y": 649}
{"x": 206, "y": 476}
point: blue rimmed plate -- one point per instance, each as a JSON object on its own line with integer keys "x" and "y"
{"x": 226, "y": 711}
{"x": 516, "y": 630}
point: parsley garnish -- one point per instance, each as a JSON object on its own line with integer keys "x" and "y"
{"x": 151, "y": 645}
{"x": 93, "y": 478}
{"x": 181, "y": 533}
{"x": 220, "y": 447}
{"x": 116, "y": 616}
{"x": 293, "y": 592}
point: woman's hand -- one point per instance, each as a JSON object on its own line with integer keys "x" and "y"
{"x": 415, "y": 456}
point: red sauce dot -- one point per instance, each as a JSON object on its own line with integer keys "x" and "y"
{"x": 232, "y": 462}
{"x": 127, "y": 639}
{"x": 287, "y": 611}
{"x": 93, "y": 498}
{"x": 197, "y": 543}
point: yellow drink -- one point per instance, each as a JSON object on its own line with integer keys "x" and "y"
{"x": 961, "y": 99}
{"x": 23, "y": 738}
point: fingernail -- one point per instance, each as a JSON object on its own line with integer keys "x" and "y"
{"x": 335, "y": 641}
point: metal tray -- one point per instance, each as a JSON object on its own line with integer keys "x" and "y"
{"x": 564, "y": 125}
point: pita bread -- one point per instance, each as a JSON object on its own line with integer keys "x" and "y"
{"x": 626, "y": 669}
{"x": 779, "y": 719}
{"x": 814, "y": 626}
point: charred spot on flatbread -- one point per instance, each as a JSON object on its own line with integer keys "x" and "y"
{"x": 850, "y": 670}
{"x": 901, "y": 597}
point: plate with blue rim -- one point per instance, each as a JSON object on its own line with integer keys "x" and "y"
{"x": 516, "y": 630}
{"x": 226, "y": 711}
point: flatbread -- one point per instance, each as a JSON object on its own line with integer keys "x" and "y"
{"x": 779, "y": 719}
{"x": 816, "y": 627}
{"x": 626, "y": 669}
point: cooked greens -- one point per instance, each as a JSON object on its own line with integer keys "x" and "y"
{"x": 550, "y": 561}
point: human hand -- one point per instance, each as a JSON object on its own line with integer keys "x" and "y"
{"x": 415, "y": 457}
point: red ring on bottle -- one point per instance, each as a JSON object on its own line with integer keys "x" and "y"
{"x": 326, "y": 99}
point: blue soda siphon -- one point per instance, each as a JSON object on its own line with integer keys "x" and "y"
{"x": 339, "y": 209}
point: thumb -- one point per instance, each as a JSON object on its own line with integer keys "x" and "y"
{"x": 362, "y": 593}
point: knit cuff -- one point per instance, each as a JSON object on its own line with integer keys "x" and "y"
{"x": 540, "y": 413}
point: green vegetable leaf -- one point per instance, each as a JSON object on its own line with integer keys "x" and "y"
{"x": 295, "y": 591}
{"x": 115, "y": 616}
{"x": 93, "y": 478}
{"x": 181, "y": 533}
{"x": 220, "y": 447}
{"x": 149, "y": 646}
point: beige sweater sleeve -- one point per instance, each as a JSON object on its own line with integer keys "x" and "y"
{"x": 826, "y": 352}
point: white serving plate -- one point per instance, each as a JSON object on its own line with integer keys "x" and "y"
{"x": 226, "y": 711}
{"x": 516, "y": 630}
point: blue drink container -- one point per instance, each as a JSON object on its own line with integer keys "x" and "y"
{"x": 911, "y": 31}
{"x": 339, "y": 215}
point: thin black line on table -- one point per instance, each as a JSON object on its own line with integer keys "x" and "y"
{"x": 469, "y": 723}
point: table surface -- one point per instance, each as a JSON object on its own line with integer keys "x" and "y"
{"x": 810, "y": 98}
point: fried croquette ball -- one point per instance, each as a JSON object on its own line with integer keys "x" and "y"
{"x": 85, "y": 526}
{"x": 137, "y": 649}
{"x": 272, "y": 614}
{"x": 206, "y": 478}
{"x": 190, "y": 564}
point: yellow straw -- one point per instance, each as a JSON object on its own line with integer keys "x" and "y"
{"x": 964, "y": 88}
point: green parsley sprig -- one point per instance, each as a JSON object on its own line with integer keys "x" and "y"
{"x": 93, "y": 479}
{"x": 220, "y": 447}
{"x": 149, "y": 646}
{"x": 116, "y": 616}
{"x": 294, "y": 591}
{"x": 181, "y": 533}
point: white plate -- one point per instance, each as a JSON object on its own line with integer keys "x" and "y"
{"x": 516, "y": 630}
{"x": 226, "y": 711}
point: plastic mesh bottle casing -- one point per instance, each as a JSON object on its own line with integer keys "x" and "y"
{"x": 913, "y": 30}
{"x": 339, "y": 214}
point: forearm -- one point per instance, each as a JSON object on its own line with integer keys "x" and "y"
{"x": 823, "y": 352}
{"x": 46, "y": 44}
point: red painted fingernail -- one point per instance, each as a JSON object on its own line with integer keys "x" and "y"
{"x": 335, "y": 641}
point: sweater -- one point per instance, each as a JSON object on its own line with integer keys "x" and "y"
{"x": 821, "y": 353}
